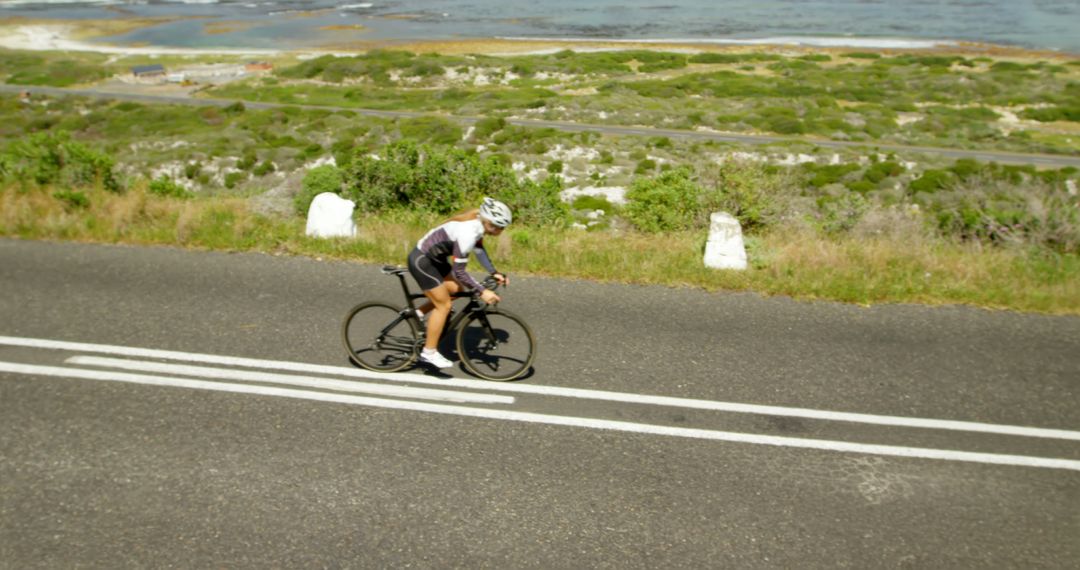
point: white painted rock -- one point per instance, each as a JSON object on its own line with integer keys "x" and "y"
{"x": 331, "y": 216}
{"x": 725, "y": 249}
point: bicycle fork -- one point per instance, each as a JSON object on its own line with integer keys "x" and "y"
{"x": 488, "y": 331}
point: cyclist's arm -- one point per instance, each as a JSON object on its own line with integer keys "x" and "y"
{"x": 482, "y": 257}
{"x": 460, "y": 262}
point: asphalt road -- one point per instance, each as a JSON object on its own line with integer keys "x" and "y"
{"x": 1003, "y": 157}
{"x": 184, "y": 474}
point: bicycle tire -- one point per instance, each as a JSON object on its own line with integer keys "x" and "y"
{"x": 370, "y": 346}
{"x": 496, "y": 345}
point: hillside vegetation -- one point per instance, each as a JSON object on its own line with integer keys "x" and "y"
{"x": 858, "y": 225}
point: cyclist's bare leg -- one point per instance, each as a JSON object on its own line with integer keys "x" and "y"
{"x": 438, "y": 309}
{"x": 455, "y": 287}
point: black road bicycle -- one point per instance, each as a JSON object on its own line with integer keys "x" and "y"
{"x": 491, "y": 343}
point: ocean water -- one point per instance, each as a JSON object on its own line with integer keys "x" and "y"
{"x": 297, "y": 24}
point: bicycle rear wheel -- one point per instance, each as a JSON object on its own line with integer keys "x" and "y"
{"x": 496, "y": 345}
{"x": 378, "y": 337}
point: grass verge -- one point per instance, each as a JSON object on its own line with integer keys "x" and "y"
{"x": 796, "y": 263}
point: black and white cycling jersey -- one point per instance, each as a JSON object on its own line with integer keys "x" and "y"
{"x": 456, "y": 240}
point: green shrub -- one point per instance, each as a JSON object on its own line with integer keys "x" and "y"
{"x": 679, "y": 199}
{"x": 325, "y": 178}
{"x": 247, "y": 162}
{"x": 445, "y": 180}
{"x": 72, "y": 199}
{"x": 925, "y": 61}
{"x": 757, "y": 195}
{"x": 733, "y": 57}
{"x": 1009, "y": 66}
{"x": 536, "y": 203}
{"x": 234, "y": 178}
{"x": 860, "y": 186}
{"x": 593, "y": 203}
{"x": 881, "y": 170}
{"x": 671, "y": 201}
{"x": 425, "y": 69}
{"x": 342, "y": 151}
{"x": 645, "y": 166}
{"x": 166, "y": 187}
{"x": 53, "y": 158}
{"x": 59, "y": 73}
{"x": 192, "y": 170}
{"x": 266, "y": 167}
{"x": 786, "y": 125}
{"x": 1051, "y": 114}
{"x": 652, "y": 61}
{"x": 522, "y": 236}
{"x": 999, "y": 212}
{"x": 486, "y": 127}
{"x": 839, "y": 214}
{"x": 436, "y": 130}
{"x": 278, "y": 142}
{"x": 965, "y": 168}
{"x": 931, "y": 181}
{"x": 821, "y": 176}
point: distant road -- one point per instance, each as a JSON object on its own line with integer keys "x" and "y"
{"x": 1042, "y": 160}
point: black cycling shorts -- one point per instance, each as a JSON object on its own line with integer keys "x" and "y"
{"x": 428, "y": 272}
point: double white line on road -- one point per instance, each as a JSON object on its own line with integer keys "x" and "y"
{"x": 81, "y": 373}
{"x": 463, "y": 397}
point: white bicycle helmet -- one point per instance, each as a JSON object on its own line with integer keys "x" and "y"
{"x": 496, "y": 212}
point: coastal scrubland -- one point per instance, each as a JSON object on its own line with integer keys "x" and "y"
{"x": 859, "y": 224}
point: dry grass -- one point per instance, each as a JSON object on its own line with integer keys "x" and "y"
{"x": 867, "y": 269}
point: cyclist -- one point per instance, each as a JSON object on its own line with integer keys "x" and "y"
{"x": 438, "y": 264}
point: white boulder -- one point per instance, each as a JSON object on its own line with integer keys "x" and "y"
{"x": 725, "y": 248}
{"x": 331, "y": 216}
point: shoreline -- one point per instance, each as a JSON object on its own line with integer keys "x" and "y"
{"x": 73, "y": 35}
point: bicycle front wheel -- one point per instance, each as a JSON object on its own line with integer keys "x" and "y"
{"x": 378, "y": 337}
{"x": 496, "y": 345}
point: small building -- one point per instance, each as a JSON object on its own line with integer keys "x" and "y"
{"x": 257, "y": 66}
{"x": 148, "y": 71}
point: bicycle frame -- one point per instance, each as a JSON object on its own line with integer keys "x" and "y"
{"x": 409, "y": 313}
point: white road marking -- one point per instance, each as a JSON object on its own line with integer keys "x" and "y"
{"x": 826, "y": 445}
{"x": 925, "y": 423}
{"x": 307, "y": 381}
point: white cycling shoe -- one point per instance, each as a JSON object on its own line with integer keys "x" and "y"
{"x": 435, "y": 359}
